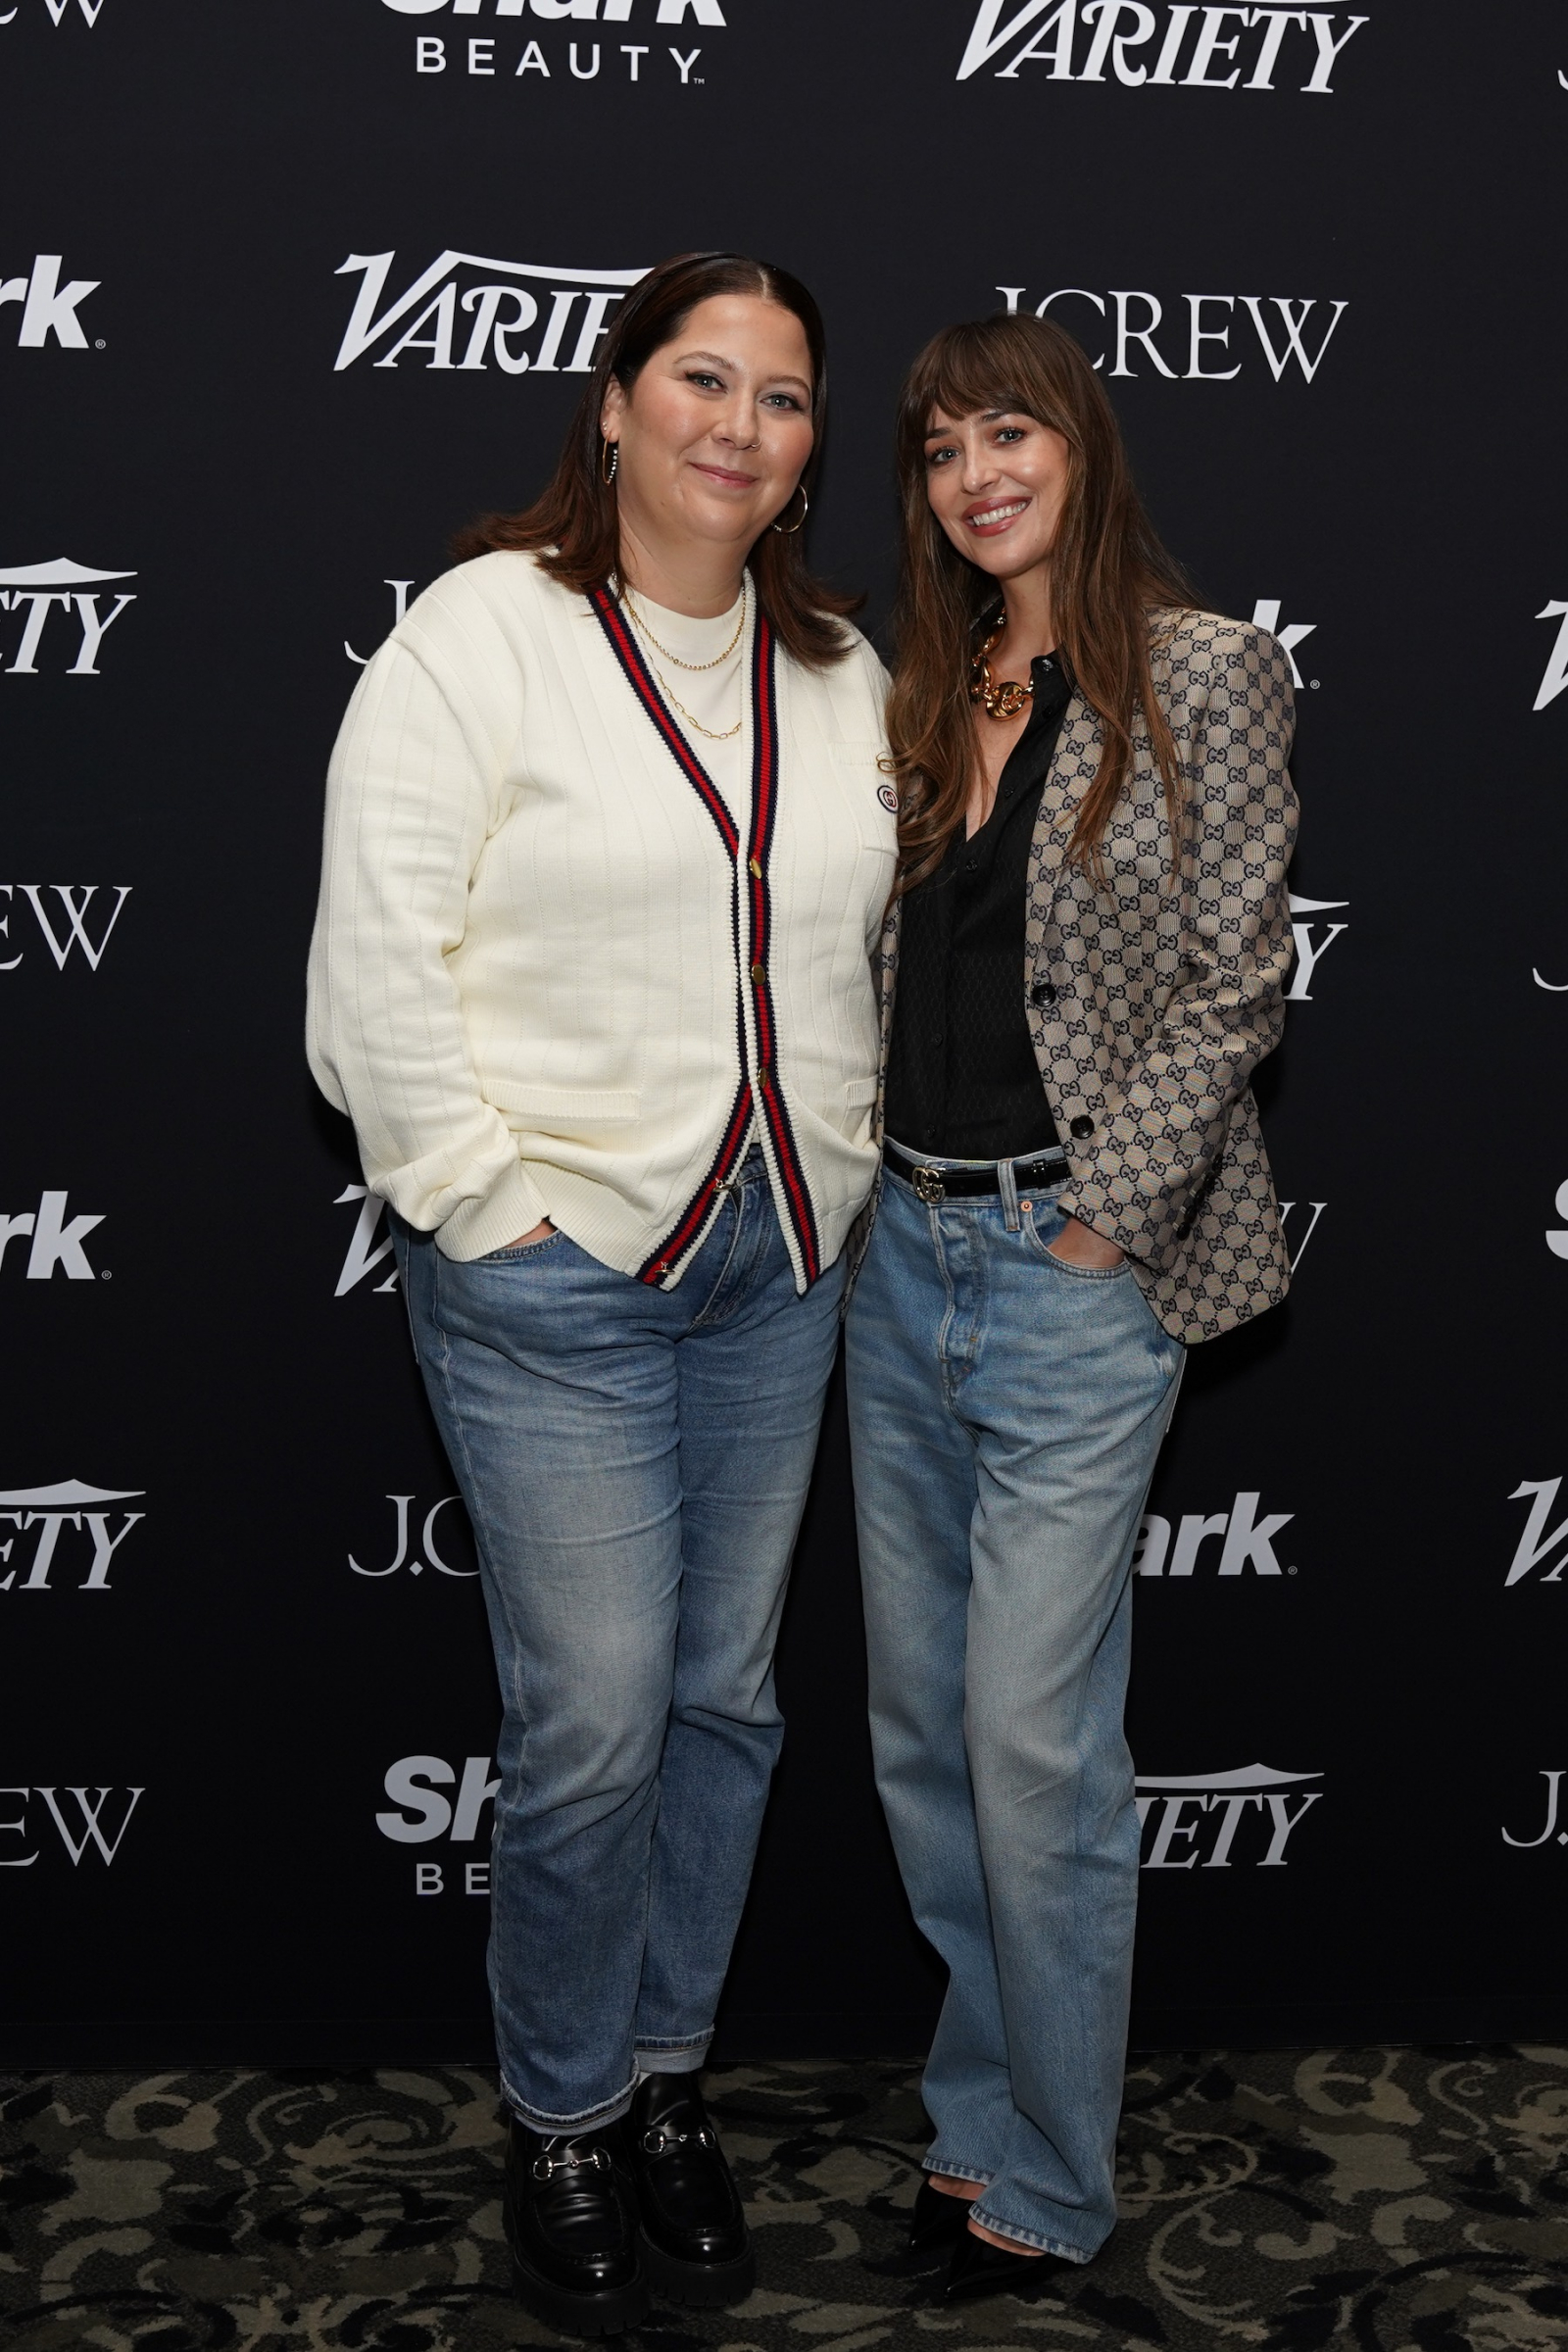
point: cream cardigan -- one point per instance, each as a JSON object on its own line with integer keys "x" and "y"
{"x": 555, "y": 975}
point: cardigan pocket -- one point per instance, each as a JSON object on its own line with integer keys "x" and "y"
{"x": 545, "y": 1107}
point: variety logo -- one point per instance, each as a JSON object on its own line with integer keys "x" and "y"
{"x": 413, "y": 1783}
{"x": 400, "y": 1505}
{"x": 83, "y": 1824}
{"x": 365, "y": 1252}
{"x": 36, "y": 590}
{"x": 1310, "y": 952}
{"x": 72, "y": 914}
{"x": 1266, "y": 616}
{"x": 1245, "y": 1540}
{"x": 1553, "y": 1780}
{"x": 1556, "y": 677}
{"x": 1144, "y": 48}
{"x": 56, "y": 1242}
{"x": 1536, "y": 1544}
{"x": 47, "y": 306}
{"x": 400, "y": 608}
{"x": 1286, "y": 1209}
{"x": 51, "y": 1508}
{"x": 1284, "y": 338}
{"x": 498, "y": 315}
{"x": 1215, "y": 1804}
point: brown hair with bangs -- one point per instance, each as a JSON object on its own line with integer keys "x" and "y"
{"x": 574, "y": 526}
{"x": 1108, "y": 575}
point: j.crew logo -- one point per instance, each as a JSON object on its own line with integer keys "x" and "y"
{"x": 90, "y": 1807}
{"x": 72, "y": 914}
{"x": 1134, "y": 316}
{"x": 1217, "y": 1802}
{"x": 1553, "y": 1780}
{"x": 60, "y": 10}
{"x": 1119, "y": 45}
{"x": 499, "y": 316}
{"x": 428, "y": 1544}
{"x": 36, "y": 591}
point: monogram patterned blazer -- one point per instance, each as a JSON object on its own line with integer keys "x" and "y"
{"x": 1153, "y": 1000}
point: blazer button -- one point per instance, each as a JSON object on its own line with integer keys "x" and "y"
{"x": 1041, "y": 993}
{"x": 1083, "y": 1126}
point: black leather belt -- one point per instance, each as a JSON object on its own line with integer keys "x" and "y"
{"x": 933, "y": 1185}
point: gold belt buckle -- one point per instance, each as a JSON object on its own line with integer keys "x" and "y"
{"x": 929, "y": 1186}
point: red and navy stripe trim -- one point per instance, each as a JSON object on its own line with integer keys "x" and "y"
{"x": 765, "y": 806}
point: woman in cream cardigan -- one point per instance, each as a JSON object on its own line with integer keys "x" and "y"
{"x": 608, "y": 847}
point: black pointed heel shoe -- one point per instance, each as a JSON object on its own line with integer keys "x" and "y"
{"x": 577, "y": 2263}
{"x": 978, "y": 2269}
{"x": 938, "y": 2219}
{"x": 696, "y": 2246}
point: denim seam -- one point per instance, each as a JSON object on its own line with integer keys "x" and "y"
{"x": 1029, "y": 2238}
{"x": 732, "y": 1192}
{"x": 538, "y": 2118}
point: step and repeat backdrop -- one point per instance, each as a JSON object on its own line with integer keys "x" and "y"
{"x": 287, "y": 293}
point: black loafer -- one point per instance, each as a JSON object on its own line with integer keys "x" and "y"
{"x": 576, "y": 2261}
{"x": 978, "y": 2269}
{"x": 696, "y": 2246}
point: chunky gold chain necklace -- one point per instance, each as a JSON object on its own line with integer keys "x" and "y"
{"x": 1006, "y": 699}
{"x": 719, "y": 659}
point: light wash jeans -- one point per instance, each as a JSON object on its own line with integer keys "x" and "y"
{"x": 635, "y": 1462}
{"x": 1005, "y": 1411}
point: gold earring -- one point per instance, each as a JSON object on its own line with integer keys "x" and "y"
{"x": 788, "y": 529}
{"x": 609, "y": 459}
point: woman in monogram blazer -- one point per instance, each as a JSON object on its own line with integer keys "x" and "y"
{"x": 1082, "y": 966}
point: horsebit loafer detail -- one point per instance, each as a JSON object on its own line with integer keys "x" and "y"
{"x": 576, "y": 2261}
{"x": 695, "y": 2241}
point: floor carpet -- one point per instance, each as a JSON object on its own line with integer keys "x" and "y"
{"x": 1395, "y": 2200}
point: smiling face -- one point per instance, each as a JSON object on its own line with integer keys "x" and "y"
{"x": 716, "y": 428}
{"x": 997, "y": 482}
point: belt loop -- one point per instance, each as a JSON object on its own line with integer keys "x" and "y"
{"x": 1007, "y": 1183}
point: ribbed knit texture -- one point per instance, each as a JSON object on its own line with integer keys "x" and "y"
{"x": 523, "y": 984}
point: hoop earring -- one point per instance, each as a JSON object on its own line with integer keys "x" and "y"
{"x": 788, "y": 530}
{"x": 609, "y": 461}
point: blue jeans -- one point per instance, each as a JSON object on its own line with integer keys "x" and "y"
{"x": 635, "y": 1462}
{"x": 1005, "y": 1411}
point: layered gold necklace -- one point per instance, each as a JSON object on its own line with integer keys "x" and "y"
{"x": 695, "y": 668}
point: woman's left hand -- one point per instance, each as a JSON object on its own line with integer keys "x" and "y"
{"x": 1080, "y": 1245}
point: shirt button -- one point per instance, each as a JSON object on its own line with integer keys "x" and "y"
{"x": 758, "y": 974}
{"x": 1043, "y": 992}
{"x": 1082, "y": 1127}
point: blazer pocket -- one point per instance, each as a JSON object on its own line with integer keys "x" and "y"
{"x": 544, "y": 1105}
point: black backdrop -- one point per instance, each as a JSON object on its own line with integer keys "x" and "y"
{"x": 1349, "y": 1726}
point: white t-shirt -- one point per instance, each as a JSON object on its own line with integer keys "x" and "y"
{"x": 713, "y": 697}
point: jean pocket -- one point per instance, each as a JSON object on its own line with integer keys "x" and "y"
{"x": 517, "y": 1252}
{"x": 1041, "y": 1248}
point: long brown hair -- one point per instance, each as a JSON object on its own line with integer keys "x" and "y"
{"x": 575, "y": 525}
{"x": 1108, "y": 573}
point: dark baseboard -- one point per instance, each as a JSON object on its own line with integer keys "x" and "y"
{"x": 349, "y": 2045}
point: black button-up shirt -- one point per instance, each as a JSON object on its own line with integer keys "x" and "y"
{"x": 962, "y": 1078}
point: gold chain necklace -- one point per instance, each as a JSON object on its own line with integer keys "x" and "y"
{"x": 719, "y": 659}
{"x": 721, "y": 737}
{"x": 1006, "y": 699}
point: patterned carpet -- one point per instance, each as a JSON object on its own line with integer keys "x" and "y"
{"x": 1395, "y": 2200}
